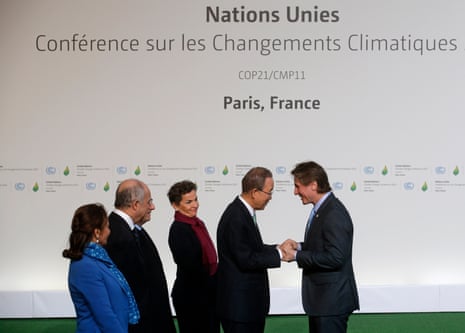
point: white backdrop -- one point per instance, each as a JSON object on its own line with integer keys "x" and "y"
{"x": 85, "y": 101}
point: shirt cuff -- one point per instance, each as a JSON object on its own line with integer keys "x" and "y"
{"x": 279, "y": 252}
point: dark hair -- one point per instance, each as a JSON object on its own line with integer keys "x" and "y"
{"x": 307, "y": 172}
{"x": 178, "y": 189}
{"x": 255, "y": 179}
{"x": 86, "y": 219}
{"x": 131, "y": 190}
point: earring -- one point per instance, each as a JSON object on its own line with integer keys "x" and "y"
{"x": 97, "y": 240}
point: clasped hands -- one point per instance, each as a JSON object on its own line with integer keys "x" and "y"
{"x": 288, "y": 249}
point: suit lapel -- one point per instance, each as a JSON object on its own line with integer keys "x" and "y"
{"x": 250, "y": 223}
{"x": 257, "y": 232}
{"x": 317, "y": 218}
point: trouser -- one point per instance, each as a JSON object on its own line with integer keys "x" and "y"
{"x": 230, "y": 326}
{"x": 328, "y": 324}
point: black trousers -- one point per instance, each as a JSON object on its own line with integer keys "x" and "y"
{"x": 328, "y": 324}
{"x": 196, "y": 319}
{"x": 230, "y": 326}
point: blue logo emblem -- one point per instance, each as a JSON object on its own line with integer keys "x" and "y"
{"x": 409, "y": 186}
{"x": 121, "y": 170}
{"x": 20, "y": 186}
{"x": 91, "y": 186}
{"x": 50, "y": 170}
{"x": 209, "y": 170}
{"x": 369, "y": 170}
{"x": 338, "y": 185}
{"x": 280, "y": 170}
{"x": 440, "y": 170}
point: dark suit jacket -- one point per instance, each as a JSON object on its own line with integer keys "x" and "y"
{"x": 328, "y": 282}
{"x": 143, "y": 270}
{"x": 194, "y": 290}
{"x": 243, "y": 287}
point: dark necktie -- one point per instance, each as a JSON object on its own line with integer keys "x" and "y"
{"x": 309, "y": 221}
{"x": 137, "y": 235}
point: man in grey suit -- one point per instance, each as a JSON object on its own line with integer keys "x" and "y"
{"x": 329, "y": 292}
{"x": 243, "y": 286}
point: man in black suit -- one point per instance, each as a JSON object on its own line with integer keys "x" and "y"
{"x": 329, "y": 292}
{"x": 243, "y": 286}
{"x": 135, "y": 254}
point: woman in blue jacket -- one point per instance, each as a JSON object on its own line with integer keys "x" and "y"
{"x": 103, "y": 301}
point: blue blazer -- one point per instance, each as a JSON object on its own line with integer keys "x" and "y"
{"x": 101, "y": 304}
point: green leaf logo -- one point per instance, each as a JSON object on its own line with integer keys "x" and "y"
{"x": 353, "y": 187}
{"x": 137, "y": 171}
{"x": 225, "y": 170}
{"x": 424, "y": 188}
{"x": 35, "y": 188}
{"x": 385, "y": 171}
{"x": 106, "y": 188}
{"x": 456, "y": 171}
{"x": 66, "y": 171}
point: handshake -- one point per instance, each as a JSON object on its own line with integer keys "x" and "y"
{"x": 288, "y": 249}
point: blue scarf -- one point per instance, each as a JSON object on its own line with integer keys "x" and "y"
{"x": 94, "y": 250}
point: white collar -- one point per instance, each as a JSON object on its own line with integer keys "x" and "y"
{"x": 249, "y": 208}
{"x": 126, "y": 218}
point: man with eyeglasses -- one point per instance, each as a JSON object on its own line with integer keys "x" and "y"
{"x": 243, "y": 286}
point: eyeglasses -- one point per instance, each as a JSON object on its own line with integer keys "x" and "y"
{"x": 269, "y": 193}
